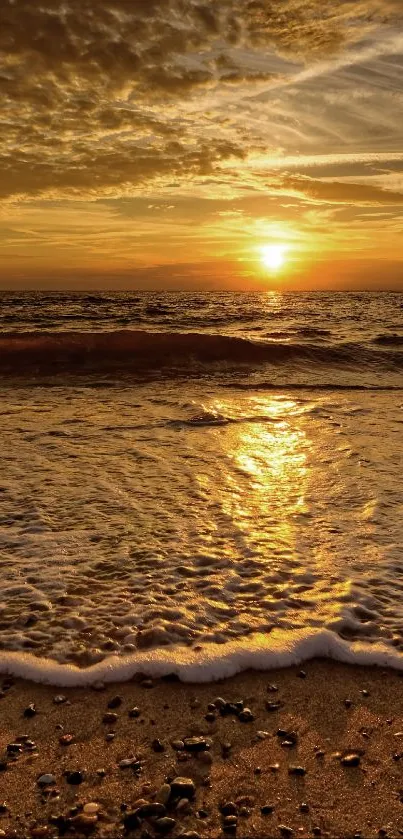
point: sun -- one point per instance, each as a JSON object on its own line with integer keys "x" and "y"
{"x": 273, "y": 256}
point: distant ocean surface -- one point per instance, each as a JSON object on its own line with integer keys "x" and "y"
{"x": 198, "y": 483}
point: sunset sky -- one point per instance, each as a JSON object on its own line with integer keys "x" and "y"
{"x": 165, "y": 143}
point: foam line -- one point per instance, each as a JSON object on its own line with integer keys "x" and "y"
{"x": 212, "y": 663}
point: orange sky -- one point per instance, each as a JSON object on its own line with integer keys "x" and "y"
{"x": 163, "y": 143}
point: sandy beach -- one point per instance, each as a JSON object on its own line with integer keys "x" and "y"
{"x": 317, "y": 755}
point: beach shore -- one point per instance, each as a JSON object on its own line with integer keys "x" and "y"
{"x": 319, "y": 754}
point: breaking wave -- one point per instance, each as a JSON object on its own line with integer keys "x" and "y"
{"x": 139, "y": 350}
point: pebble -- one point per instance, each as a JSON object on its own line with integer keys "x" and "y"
{"x": 66, "y": 739}
{"x": 274, "y": 767}
{"x": 131, "y": 820}
{"x": 182, "y": 805}
{"x": 348, "y": 703}
{"x": 351, "y": 759}
{"x": 210, "y": 717}
{"x": 262, "y": 735}
{"x": 365, "y": 693}
{"x": 267, "y": 809}
{"x": 229, "y": 821}
{"x": 91, "y": 807}
{"x": 164, "y": 794}
{"x": 30, "y": 711}
{"x": 196, "y": 744}
{"x": 225, "y": 749}
{"x": 165, "y": 825}
{"x": 229, "y": 808}
{"x": 205, "y": 757}
{"x": 128, "y": 762}
{"x": 46, "y": 780}
{"x": 183, "y": 788}
{"x": 202, "y": 814}
{"x": 147, "y": 683}
{"x": 157, "y": 746}
{"x": 85, "y": 822}
{"x": 246, "y": 715}
{"x": 134, "y": 713}
{"x": 111, "y": 736}
{"x": 178, "y": 745}
{"x": 272, "y": 688}
{"x": 220, "y": 703}
{"x": 273, "y": 706}
{"x": 296, "y": 770}
{"x": 316, "y": 831}
{"x": 115, "y": 702}
{"x": 3, "y": 808}
{"x": 285, "y": 830}
{"x": 151, "y": 810}
{"x": 304, "y": 808}
{"x": 109, "y": 718}
{"x": 59, "y": 699}
{"x": 301, "y": 674}
{"x": 74, "y": 778}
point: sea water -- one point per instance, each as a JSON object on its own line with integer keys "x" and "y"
{"x": 199, "y": 483}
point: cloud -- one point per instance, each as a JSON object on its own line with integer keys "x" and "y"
{"x": 107, "y": 98}
{"x": 339, "y": 192}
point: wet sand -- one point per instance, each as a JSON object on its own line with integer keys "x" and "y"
{"x": 329, "y": 714}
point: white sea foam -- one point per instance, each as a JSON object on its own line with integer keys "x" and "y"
{"x": 212, "y": 663}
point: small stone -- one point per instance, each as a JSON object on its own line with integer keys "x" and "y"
{"x": 111, "y": 736}
{"x": 229, "y": 808}
{"x": 285, "y": 830}
{"x": 365, "y": 693}
{"x": 46, "y": 780}
{"x": 226, "y": 749}
{"x": 210, "y": 717}
{"x": 91, "y": 807}
{"x": 178, "y": 745}
{"x": 246, "y": 715}
{"x": 165, "y": 825}
{"x": 262, "y": 735}
{"x": 196, "y": 744}
{"x": 296, "y": 770}
{"x": 273, "y": 706}
{"x": 115, "y": 702}
{"x": 220, "y": 703}
{"x": 301, "y": 674}
{"x": 128, "y": 763}
{"x": 66, "y": 739}
{"x": 157, "y": 746}
{"x": 14, "y": 748}
{"x": 74, "y": 778}
{"x": 320, "y": 753}
{"x": 267, "y": 809}
{"x": 101, "y": 773}
{"x": 183, "y": 788}
{"x": 59, "y": 699}
{"x": 351, "y": 759}
{"x": 316, "y": 831}
{"x": 131, "y": 821}
{"x": 272, "y": 688}
{"x": 348, "y": 703}
{"x": 147, "y": 683}
{"x": 202, "y": 814}
{"x": 205, "y": 757}
{"x": 30, "y": 711}
{"x": 85, "y": 822}
{"x": 109, "y": 718}
{"x": 290, "y": 736}
{"x": 182, "y": 805}
{"x": 163, "y": 794}
{"x": 274, "y": 767}
{"x": 151, "y": 810}
{"x": 134, "y": 713}
{"x": 304, "y": 808}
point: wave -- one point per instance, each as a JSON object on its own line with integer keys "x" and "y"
{"x": 212, "y": 663}
{"x": 56, "y": 352}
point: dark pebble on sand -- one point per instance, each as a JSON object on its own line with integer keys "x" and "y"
{"x": 183, "y": 788}
{"x": 226, "y": 749}
{"x": 109, "y": 718}
{"x": 14, "y": 748}
{"x": 202, "y": 814}
{"x": 267, "y": 809}
{"x": 352, "y": 759}
{"x": 152, "y": 810}
{"x": 246, "y": 715}
{"x": 147, "y": 683}
{"x": 111, "y": 736}
{"x": 296, "y": 770}
{"x": 178, "y": 745}
{"x": 272, "y": 688}
{"x": 304, "y": 808}
{"x": 59, "y": 699}
{"x": 115, "y": 702}
{"x": 210, "y": 717}
{"x": 165, "y": 825}
{"x": 219, "y": 703}
{"x": 229, "y": 821}
{"x": 273, "y": 706}
{"x": 30, "y": 711}
{"x": 365, "y": 693}
{"x": 3, "y": 808}
{"x": 3, "y": 765}
{"x": 131, "y": 821}
{"x": 196, "y": 744}
{"x": 134, "y": 713}
{"x": 74, "y": 778}
{"x": 285, "y": 830}
{"x": 211, "y": 706}
{"x": 157, "y": 746}
{"x": 316, "y": 831}
{"x": 229, "y": 808}
{"x": 348, "y": 703}
{"x": 301, "y": 674}
{"x": 85, "y": 823}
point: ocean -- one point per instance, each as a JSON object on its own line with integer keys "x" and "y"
{"x": 199, "y": 483}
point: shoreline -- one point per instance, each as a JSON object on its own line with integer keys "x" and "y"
{"x": 323, "y": 758}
